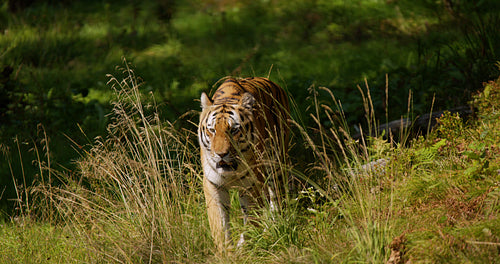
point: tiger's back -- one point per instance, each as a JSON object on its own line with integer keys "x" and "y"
{"x": 245, "y": 118}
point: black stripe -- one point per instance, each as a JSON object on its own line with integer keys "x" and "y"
{"x": 247, "y": 126}
{"x": 216, "y": 109}
{"x": 205, "y": 142}
{"x": 243, "y": 150}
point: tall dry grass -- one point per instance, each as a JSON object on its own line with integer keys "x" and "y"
{"x": 136, "y": 195}
{"x": 354, "y": 172}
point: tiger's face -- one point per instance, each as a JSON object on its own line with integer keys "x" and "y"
{"x": 226, "y": 133}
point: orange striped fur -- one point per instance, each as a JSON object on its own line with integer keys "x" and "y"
{"x": 244, "y": 118}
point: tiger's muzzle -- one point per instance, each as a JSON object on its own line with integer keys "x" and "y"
{"x": 225, "y": 161}
{"x": 227, "y": 166}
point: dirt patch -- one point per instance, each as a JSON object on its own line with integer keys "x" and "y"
{"x": 459, "y": 208}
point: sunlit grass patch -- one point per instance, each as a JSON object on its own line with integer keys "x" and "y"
{"x": 25, "y": 240}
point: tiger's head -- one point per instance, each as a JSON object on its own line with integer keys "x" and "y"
{"x": 226, "y": 132}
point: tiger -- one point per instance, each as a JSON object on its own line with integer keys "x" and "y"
{"x": 244, "y": 118}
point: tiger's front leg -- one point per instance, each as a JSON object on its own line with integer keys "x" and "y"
{"x": 218, "y": 205}
{"x": 251, "y": 197}
{"x": 245, "y": 205}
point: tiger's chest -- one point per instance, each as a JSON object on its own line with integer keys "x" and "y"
{"x": 245, "y": 176}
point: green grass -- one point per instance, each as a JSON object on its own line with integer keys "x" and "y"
{"x": 26, "y": 241}
{"x": 136, "y": 197}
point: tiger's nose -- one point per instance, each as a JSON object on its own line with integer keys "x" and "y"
{"x": 222, "y": 154}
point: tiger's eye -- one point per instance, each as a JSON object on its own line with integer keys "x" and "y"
{"x": 211, "y": 130}
{"x": 235, "y": 129}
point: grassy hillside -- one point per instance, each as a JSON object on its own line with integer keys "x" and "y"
{"x": 135, "y": 197}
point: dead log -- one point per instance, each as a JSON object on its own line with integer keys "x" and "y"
{"x": 420, "y": 126}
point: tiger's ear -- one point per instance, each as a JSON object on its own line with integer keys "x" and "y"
{"x": 205, "y": 101}
{"x": 247, "y": 100}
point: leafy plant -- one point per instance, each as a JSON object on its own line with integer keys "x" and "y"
{"x": 477, "y": 153}
{"x": 450, "y": 126}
